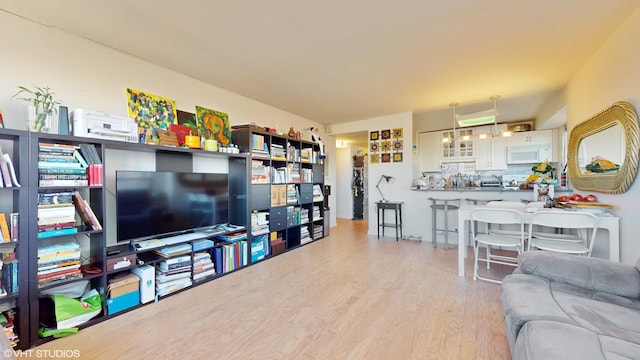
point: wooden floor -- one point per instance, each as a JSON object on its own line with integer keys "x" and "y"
{"x": 347, "y": 296}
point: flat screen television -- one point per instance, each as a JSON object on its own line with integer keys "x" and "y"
{"x": 152, "y": 204}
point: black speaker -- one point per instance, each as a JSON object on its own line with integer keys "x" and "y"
{"x": 63, "y": 121}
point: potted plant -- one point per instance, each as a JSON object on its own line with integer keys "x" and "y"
{"x": 193, "y": 139}
{"x": 42, "y": 105}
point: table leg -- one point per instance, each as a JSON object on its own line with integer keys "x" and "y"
{"x": 400, "y": 212}
{"x": 378, "y": 217}
{"x": 462, "y": 248}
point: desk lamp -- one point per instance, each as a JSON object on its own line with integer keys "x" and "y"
{"x": 387, "y": 178}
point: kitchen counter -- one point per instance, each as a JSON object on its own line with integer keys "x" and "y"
{"x": 488, "y": 189}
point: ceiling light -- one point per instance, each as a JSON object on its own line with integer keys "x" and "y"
{"x": 476, "y": 118}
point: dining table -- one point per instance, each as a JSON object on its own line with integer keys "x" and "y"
{"x": 605, "y": 221}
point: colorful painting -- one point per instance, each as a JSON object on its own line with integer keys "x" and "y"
{"x": 385, "y": 146}
{"x": 374, "y": 147}
{"x": 214, "y": 125}
{"x": 151, "y": 110}
{"x": 374, "y": 158}
{"x": 397, "y": 133}
{"x": 385, "y": 134}
{"x": 386, "y": 158}
{"x": 397, "y": 157}
{"x": 374, "y": 135}
{"x": 397, "y": 145}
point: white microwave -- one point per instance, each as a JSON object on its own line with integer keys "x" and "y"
{"x": 528, "y": 154}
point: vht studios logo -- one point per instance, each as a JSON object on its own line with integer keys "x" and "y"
{"x": 43, "y": 354}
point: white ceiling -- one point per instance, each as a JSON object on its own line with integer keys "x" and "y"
{"x": 336, "y": 61}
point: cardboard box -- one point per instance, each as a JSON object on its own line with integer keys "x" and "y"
{"x": 123, "y": 302}
{"x": 121, "y": 262}
{"x": 123, "y": 284}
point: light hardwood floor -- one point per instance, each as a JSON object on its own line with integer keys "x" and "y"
{"x": 347, "y": 296}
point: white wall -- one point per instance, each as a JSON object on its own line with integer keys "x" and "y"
{"x": 87, "y": 75}
{"x": 612, "y": 74}
{"x": 399, "y": 188}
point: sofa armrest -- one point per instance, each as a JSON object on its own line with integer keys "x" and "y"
{"x": 584, "y": 272}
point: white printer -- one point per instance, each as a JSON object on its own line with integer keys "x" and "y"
{"x": 99, "y": 125}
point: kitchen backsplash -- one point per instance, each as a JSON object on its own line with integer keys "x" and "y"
{"x": 513, "y": 174}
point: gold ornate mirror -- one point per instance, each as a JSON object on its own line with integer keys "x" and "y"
{"x": 603, "y": 151}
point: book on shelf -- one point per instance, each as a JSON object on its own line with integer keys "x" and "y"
{"x": 233, "y": 236}
{"x": 14, "y": 226}
{"x": 51, "y": 183}
{"x": 85, "y": 211}
{"x": 62, "y": 171}
{"x": 4, "y": 228}
{"x": 8, "y": 170}
{"x": 61, "y": 232}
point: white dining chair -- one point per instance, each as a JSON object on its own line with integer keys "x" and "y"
{"x": 585, "y": 226}
{"x": 508, "y": 243}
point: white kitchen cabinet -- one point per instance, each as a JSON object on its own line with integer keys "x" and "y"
{"x": 491, "y": 153}
{"x": 459, "y": 149}
{"x": 538, "y": 137}
{"x": 430, "y": 147}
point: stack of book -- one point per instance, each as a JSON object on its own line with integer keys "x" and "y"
{"x": 259, "y": 222}
{"x": 318, "y": 230}
{"x": 305, "y": 237}
{"x": 304, "y": 216}
{"x": 306, "y": 175}
{"x": 56, "y": 214}
{"x": 233, "y": 236}
{"x": 202, "y": 265}
{"x": 174, "y": 250}
{"x": 173, "y": 274}
{"x": 58, "y": 263}
{"x": 202, "y": 244}
{"x": 292, "y": 194}
{"x": 293, "y": 154}
{"x": 260, "y": 147}
{"x": 259, "y": 172}
{"x": 6, "y": 321}
{"x": 316, "y": 213}
{"x": 306, "y": 155}
{"x": 278, "y": 152}
{"x": 317, "y": 193}
{"x": 61, "y": 165}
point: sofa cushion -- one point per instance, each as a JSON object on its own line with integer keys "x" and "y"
{"x": 553, "y": 340}
{"x": 588, "y": 273}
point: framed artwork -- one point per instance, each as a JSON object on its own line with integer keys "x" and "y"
{"x": 397, "y": 133}
{"x": 374, "y": 158}
{"x": 374, "y": 135}
{"x": 385, "y": 134}
{"x": 386, "y": 158}
{"x": 397, "y": 145}
{"x": 151, "y": 110}
{"x": 385, "y": 146}
{"x": 397, "y": 157}
{"x": 374, "y": 147}
{"x": 214, "y": 125}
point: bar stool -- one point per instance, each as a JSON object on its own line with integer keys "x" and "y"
{"x": 445, "y": 205}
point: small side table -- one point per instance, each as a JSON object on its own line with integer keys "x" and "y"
{"x": 397, "y": 209}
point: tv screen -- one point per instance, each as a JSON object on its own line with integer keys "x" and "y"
{"x": 156, "y": 204}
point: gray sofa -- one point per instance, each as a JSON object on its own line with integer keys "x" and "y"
{"x": 559, "y": 306}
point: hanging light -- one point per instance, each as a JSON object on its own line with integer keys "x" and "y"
{"x": 449, "y": 137}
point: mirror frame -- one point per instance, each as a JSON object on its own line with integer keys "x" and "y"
{"x": 620, "y": 113}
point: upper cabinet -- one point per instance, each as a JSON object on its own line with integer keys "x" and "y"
{"x": 461, "y": 146}
{"x": 491, "y": 154}
{"x": 538, "y": 137}
{"x": 430, "y": 144}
